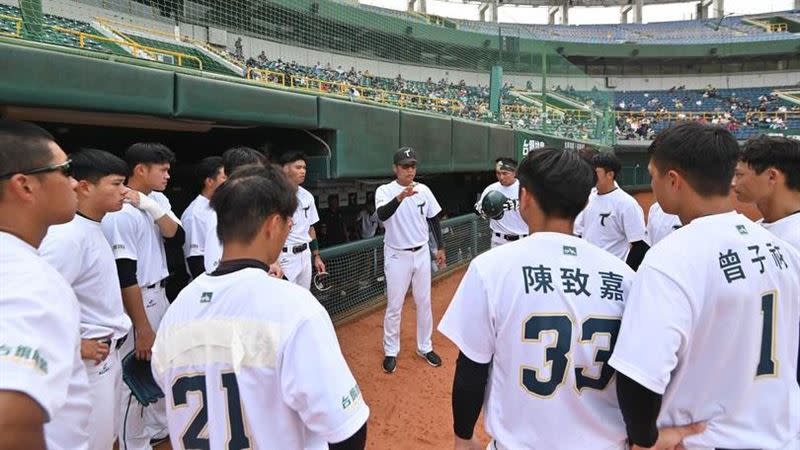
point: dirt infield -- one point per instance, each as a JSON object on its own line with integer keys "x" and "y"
{"x": 410, "y": 409}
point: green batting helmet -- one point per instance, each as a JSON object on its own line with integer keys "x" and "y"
{"x": 493, "y": 205}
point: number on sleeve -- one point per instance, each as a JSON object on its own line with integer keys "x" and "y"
{"x": 238, "y": 438}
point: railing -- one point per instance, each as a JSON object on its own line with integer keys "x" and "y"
{"x": 18, "y": 26}
{"x": 266, "y": 76}
{"x": 355, "y": 270}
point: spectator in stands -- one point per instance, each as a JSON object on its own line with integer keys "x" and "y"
{"x": 367, "y": 221}
{"x": 239, "y": 50}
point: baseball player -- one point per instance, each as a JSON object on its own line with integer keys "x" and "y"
{"x": 510, "y": 227}
{"x": 80, "y": 252}
{"x": 660, "y": 224}
{"x": 195, "y": 217}
{"x": 543, "y": 314}
{"x": 301, "y": 245}
{"x": 768, "y": 174}
{"x": 232, "y": 159}
{"x": 720, "y": 327}
{"x": 612, "y": 219}
{"x": 136, "y": 234}
{"x": 247, "y": 360}
{"x": 408, "y": 211}
{"x": 44, "y": 393}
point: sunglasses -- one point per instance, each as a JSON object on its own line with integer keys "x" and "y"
{"x": 65, "y": 168}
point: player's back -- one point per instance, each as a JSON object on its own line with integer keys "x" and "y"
{"x": 241, "y": 356}
{"x": 555, "y": 302}
{"x": 725, "y": 293}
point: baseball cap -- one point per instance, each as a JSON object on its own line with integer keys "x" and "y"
{"x": 405, "y": 155}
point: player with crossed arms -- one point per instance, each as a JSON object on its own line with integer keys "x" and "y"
{"x": 720, "y": 327}
{"x": 247, "y": 360}
{"x": 543, "y": 312}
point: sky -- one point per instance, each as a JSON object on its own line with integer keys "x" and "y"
{"x": 579, "y": 16}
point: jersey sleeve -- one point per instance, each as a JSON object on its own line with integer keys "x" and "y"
{"x": 121, "y": 234}
{"x": 317, "y": 383}
{"x": 196, "y": 229}
{"x": 314, "y": 215}
{"x": 433, "y": 206}
{"x": 382, "y": 196}
{"x": 656, "y": 326}
{"x": 32, "y": 361}
{"x": 64, "y": 254}
{"x": 164, "y": 202}
{"x": 650, "y": 227}
{"x": 578, "y": 227}
{"x": 468, "y": 321}
{"x": 633, "y": 222}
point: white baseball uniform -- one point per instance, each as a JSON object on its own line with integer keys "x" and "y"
{"x": 545, "y": 312}
{"x": 511, "y": 224}
{"x": 715, "y": 330}
{"x": 297, "y": 266}
{"x": 40, "y": 343}
{"x": 80, "y": 252}
{"x": 613, "y": 221}
{"x": 213, "y": 246}
{"x": 134, "y": 235}
{"x": 660, "y": 224}
{"x": 406, "y": 259}
{"x": 787, "y": 229}
{"x": 254, "y": 361}
{"x": 367, "y": 223}
{"x": 194, "y": 221}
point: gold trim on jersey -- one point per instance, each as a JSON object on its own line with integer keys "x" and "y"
{"x": 547, "y": 364}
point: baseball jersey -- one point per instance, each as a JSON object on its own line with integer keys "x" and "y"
{"x": 408, "y": 226}
{"x": 213, "y": 247}
{"x": 613, "y": 221}
{"x": 545, "y": 311}
{"x": 134, "y": 235}
{"x": 260, "y": 358}
{"x": 367, "y": 223}
{"x": 81, "y": 254}
{"x": 577, "y": 226}
{"x": 40, "y": 343}
{"x": 787, "y": 229}
{"x": 716, "y": 309}
{"x": 660, "y": 224}
{"x": 304, "y": 217}
{"x": 511, "y": 223}
{"x": 194, "y": 221}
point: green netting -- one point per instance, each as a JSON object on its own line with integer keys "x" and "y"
{"x": 356, "y": 279}
{"x": 348, "y": 49}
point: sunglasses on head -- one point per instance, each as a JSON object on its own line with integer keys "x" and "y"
{"x": 65, "y": 168}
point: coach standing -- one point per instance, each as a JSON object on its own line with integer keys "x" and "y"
{"x": 136, "y": 234}
{"x": 407, "y": 209}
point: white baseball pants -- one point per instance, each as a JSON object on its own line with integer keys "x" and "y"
{"x": 297, "y": 267}
{"x": 401, "y": 268}
{"x": 139, "y": 424}
{"x": 105, "y": 384}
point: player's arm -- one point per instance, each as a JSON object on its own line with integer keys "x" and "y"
{"x": 162, "y": 215}
{"x": 196, "y": 265}
{"x": 469, "y": 388}
{"x": 143, "y": 333}
{"x": 21, "y": 422}
{"x": 435, "y": 226}
{"x": 636, "y": 254}
{"x": 635, "y": 233}
{"x": 640, "y": 407}
{"x": 358, "y": 441}
{"x": 319, "y": 264}
{"x": 386, "y": 210}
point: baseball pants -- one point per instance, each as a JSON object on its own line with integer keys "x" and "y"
{"x": 140, "y": 424}
{"x": 297, "y": 267}
{"x": 401, "y": 268}
{"x": 105, "y": 384}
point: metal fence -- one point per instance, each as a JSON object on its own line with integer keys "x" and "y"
{"x": 356, "y": 279}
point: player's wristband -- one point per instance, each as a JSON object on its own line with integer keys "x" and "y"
{"x": 313, "y": 245}
{"x": 151, "y": 207}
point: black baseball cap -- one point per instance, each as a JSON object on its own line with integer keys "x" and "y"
{"x": 404, "y": 156}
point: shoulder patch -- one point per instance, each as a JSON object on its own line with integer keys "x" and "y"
{"x": 205, "y": 297}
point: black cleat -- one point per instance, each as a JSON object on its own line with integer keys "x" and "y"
{"x": 432, "y": 358}
{"x": 389, "y": 364}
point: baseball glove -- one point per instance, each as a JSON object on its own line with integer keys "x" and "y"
{"x": 493, "y": 205}
{"x": 137, "y": 375}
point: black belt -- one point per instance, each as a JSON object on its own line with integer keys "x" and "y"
{"x": 510, "y": 237}
{"x": 118, "y": 344}
{"x": 412, "y": 249}
{"x": 161, "y": 283}
{"x": 296, "y": 249}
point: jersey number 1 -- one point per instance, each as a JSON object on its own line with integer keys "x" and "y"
{"x": 557, "y": 355}
{"x": 238, "y": 438}
{"x": 766, "y": 362}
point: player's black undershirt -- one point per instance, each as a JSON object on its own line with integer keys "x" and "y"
{"x": 126, "y": 270}
{"x": 469, "y": 388}
{"x": 386, "y": 211}
{"x": 357, "y": 441}
{"x": 196, "y": 265}
{"x": 636, "y": 255}
{"x": 640, "y": 407}
{"x": 234, "y": 265}
{"x": 436, "y": 228}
